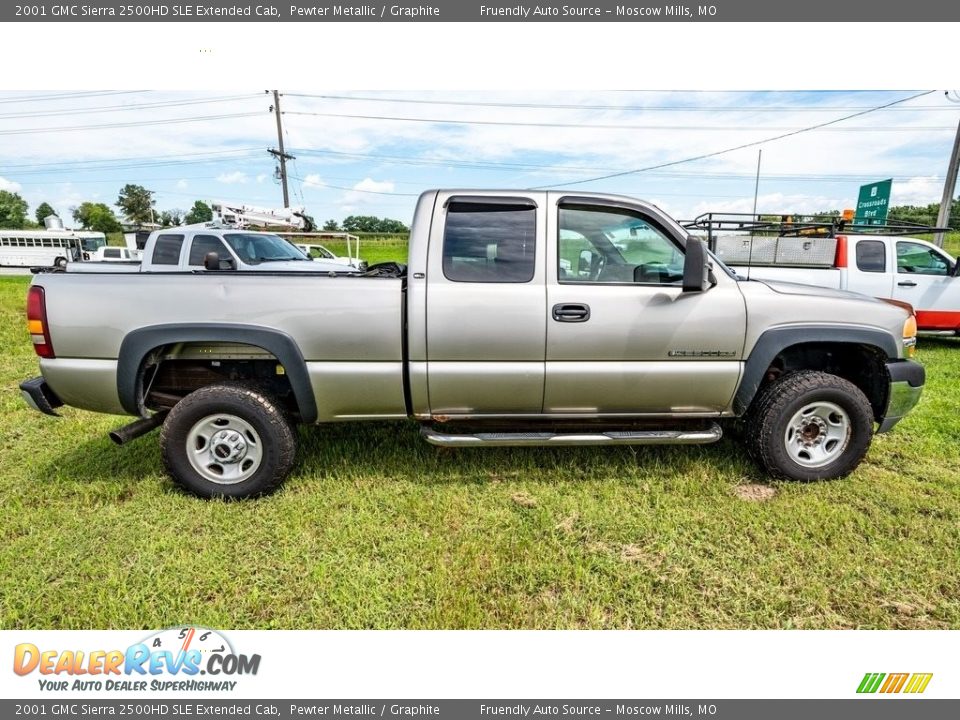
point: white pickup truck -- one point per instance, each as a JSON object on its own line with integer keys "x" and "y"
{"x": 194, "y": 248}
{"x": 880, "y": 262}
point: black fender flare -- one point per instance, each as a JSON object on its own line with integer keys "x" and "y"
{"x": 774, "y": 341}
{"x": 139, "y": 343}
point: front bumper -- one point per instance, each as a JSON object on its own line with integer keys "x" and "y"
{"x": 38, "y": 395}
{"x": 906, "y": 385}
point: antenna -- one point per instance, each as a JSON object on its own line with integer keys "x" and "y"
{"x": 756, "y": 193}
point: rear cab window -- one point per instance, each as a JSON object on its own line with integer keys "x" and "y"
{"x": 166, "y": 251}
{"x": 490, "y": 242}
{"x": 871, "y": 256}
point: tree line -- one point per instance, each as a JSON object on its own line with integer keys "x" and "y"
{"x": 137, "y": 206}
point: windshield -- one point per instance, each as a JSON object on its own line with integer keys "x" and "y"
{"x": 93, "y": 244}
{"x": 255, "y": 248}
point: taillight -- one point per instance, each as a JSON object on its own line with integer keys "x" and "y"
{"x": 37, "y": 322}
{"x": 840, "y": 260}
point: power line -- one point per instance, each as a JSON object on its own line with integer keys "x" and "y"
{"x": 493, "y": 165}
{"x": 324, "y": 185}
{"x": 600, "y": 126}
{"x": 644, "y": 108}
{"x": 141, "y": 123}
{"x": 72, "y": 95}
{"x": 136, "y": 166}
{"x": 740, "y": 147}
{"x": 121, "y": 108}
{"x": 132, "y": 158}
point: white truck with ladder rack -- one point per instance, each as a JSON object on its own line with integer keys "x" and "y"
{"x": 884, "y": 261}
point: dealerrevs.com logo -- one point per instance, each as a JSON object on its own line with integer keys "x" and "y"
{"x": 177, "y": 659}
{"x": 892, "y": 683}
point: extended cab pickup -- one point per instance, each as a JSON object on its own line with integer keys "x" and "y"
{"x": 524, "y": 318}
{"x": 905, "y": 269}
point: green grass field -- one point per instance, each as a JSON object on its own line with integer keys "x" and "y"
{"x": 376, "y": 529}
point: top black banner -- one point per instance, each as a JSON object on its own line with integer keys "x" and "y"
{"x": 826, "y": 11}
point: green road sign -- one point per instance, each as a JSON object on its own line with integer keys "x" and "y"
{"x": 873, "y": 203}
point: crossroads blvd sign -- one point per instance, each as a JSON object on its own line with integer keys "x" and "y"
{"x": 873, "y": 203}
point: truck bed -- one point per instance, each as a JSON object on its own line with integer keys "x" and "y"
{"x": 349, "y": 329}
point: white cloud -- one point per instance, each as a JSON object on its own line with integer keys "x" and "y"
{"x": 917, "y": 191}
{"x": 261, "y": 177}
{"x": 232, "y": 178}
{"x": 313, "y": 181}
{"x": 772, "y": 203}
{"x": 9, "y": 185}
{"x": 182, "y": 184}
{"x": 373, "y": 186}
{"x": 364, "y": 193}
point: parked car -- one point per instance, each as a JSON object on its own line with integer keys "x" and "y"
{"x": 319, "y": 252}
{"x": 115, "y": 254}
{"x": 519, "y": 322}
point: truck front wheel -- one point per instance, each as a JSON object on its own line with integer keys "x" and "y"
{"x": 810, "y": 425}
{"x": 228, "y": 440}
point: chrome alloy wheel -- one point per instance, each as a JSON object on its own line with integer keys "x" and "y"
{"x": 224, "y": 449}
{"x": 817, "y": 434}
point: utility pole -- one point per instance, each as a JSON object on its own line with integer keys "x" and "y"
{"x": 949, "y": 187}
{"x": 281, "y": 154}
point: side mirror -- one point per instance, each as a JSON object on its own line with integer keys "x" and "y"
{"x": 696, "y": 267}
{"x": 585, "y": 264}
{"x": 212, "y": 261}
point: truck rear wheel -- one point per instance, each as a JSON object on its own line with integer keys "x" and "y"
{"x": 809, "y": 425}
{"x": 228, "y": 440}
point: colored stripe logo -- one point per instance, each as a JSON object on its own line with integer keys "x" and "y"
{"x": 913, "y": 683}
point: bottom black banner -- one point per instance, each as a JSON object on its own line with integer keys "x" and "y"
{"x": 869, "y": 708}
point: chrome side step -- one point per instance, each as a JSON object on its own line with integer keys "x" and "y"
{"x": 540, "y": 439}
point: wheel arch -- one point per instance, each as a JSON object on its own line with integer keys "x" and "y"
{"x": 138, "y": 344}
{"x": 793, "y": 343}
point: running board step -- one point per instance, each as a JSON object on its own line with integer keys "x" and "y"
{"x": 539, "y": 439}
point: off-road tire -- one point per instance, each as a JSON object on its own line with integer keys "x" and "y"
{"x": 766, "y": 424}
{"x": 277, "y": 438}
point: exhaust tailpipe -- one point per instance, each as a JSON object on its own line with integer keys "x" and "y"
{"x": 121, "y": 436}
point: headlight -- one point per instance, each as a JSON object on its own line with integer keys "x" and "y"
{"x": 910, "y": 336}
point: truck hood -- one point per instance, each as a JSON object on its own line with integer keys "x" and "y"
{"x": 789, "y": 288}
{"x": 778, "y": 304}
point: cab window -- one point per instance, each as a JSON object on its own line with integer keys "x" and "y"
{"x": 166, "y": 251}
{"x": 914, "y": 258}
{"x": 490, "y": 243}
{"x": 871, "y": 256}
{"x": 203, "y": 244}
{"x": 610, "y": 245}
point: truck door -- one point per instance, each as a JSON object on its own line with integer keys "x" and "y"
{"x": 622, "y": 337}
{"x": 871, "y": 269}
{"x": 925, "y": 279}
{"x": 486, "y": 305}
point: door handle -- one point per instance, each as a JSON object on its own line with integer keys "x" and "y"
{"x": 571, "y": 312}
{"x": 907, "y": 283}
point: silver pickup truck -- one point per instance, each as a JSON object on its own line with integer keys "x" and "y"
{"x": 523, "y": 319}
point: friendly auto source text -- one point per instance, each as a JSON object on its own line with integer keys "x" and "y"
{"x": 230, "y": 11}
{"x": 541, "y": 11}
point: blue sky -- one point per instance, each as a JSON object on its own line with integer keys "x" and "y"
{"x": 369, "y": 152}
